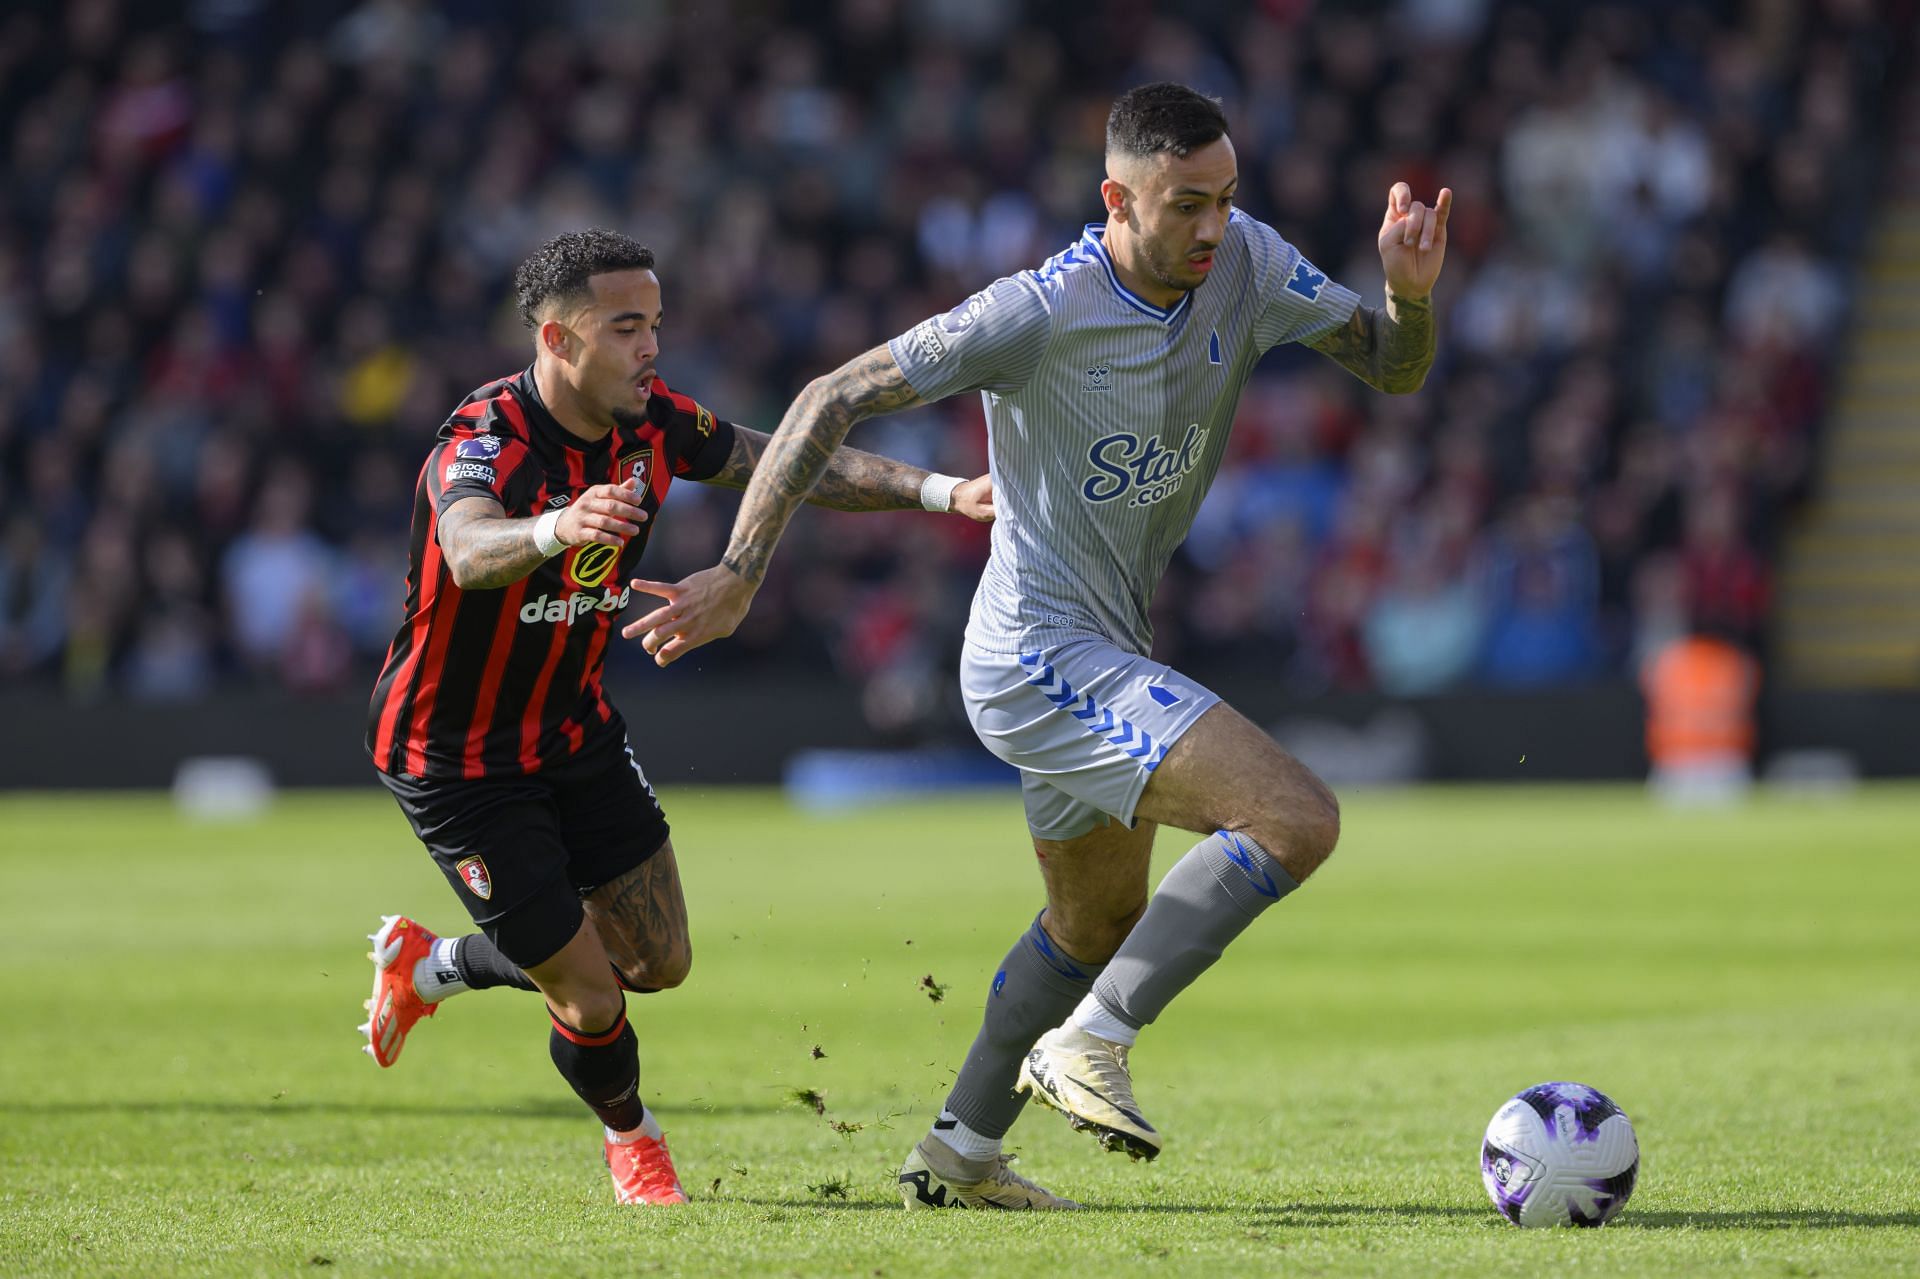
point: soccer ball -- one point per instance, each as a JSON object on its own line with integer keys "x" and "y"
{"x": 1560, "y": 1155}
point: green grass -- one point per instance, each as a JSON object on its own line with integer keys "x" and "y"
{"x": 180, "y": 1090}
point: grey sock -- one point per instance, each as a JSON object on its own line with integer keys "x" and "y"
{"x": 1037, "y": 985}
{"x": 1206, "y": 900}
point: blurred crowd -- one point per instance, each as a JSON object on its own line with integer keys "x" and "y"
{"x": 251, "y": 254}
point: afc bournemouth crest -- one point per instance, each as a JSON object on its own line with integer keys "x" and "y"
{"x": 474, "y": 872}
{"x": 637, "y": 465}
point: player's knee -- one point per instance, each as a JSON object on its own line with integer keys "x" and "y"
{"x": 1302, "y": 837}
{"x": 1316, "y": 827}
{"x": 657, "y": 973}
{"x": 671, "y": 969}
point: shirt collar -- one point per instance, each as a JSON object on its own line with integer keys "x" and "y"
{"x": 544, "y": 425}
{"x": 1094, "y": 237}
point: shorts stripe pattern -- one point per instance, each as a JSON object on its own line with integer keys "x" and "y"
{"x": 1096, "y": 719}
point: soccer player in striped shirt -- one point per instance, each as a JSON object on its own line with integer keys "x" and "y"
{"x": 1110, "y": 376}
{"x": 489, "y": 723}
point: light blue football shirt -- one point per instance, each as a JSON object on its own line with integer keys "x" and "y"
{"x": 1107, "y": 417}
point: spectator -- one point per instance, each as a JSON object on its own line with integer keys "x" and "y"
{"x": 207, "y": 273}
{"x": 275, "y": 571}
{"x": 1542, "y": 585}
{"x": 33, "y": 600}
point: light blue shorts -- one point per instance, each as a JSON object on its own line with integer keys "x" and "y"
{"x": 1085, "y": 722}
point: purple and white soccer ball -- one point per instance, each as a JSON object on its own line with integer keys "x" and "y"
{"x": 1560, "y": 1155}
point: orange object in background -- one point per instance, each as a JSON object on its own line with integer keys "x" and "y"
{"x": 1700, "y": 695}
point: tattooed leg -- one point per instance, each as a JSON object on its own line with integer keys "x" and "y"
{"x": 642, "y": 921}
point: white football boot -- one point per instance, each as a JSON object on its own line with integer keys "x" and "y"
{"x": 937, "y": 1176}
{"x": 1085, "y": 1078}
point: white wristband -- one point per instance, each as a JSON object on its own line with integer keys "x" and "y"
{"x": 545, "y": 540}
{"x": 936, "y": 491}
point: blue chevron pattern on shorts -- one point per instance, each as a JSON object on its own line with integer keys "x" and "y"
{"x": 1099, "y": 720}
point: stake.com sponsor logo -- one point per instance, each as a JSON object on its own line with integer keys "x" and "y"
{"x": 571, "y": 609}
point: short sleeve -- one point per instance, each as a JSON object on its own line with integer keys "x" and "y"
{"x": 1298, "y": 303}
{"x": 475, "y": 465}
{"x": 993, "y": 341}
{"x": 698, "y": 443}
{"x": 706, "y": 454}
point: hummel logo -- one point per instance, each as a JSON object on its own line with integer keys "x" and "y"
{"x": 1099, "y": 378}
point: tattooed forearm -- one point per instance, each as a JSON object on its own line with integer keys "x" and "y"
{"x": 1389, "y": 349}
{"x": 642, "y": 921}
{"x": 802, "y": 449}
{"x": 485, "y": 550}
{"x": 854, "y": 480}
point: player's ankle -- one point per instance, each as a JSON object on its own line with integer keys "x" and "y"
{"x": 1098, "y": 1020}
{"x": 436, "y": 976}
{"x": 966, "y": 1142}
{"x": 649, "y": 1128}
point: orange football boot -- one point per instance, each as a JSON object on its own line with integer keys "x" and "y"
{"x": 643, "y": 1172}
{"x": 396, "y": 1005}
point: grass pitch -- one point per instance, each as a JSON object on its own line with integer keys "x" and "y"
{"x": 181, "y": 1091}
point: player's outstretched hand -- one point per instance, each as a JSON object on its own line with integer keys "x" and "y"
{"x": 699, "y": 609}
{"x": 1413, "y": 240}
{"x": 606, "y": 513}
{"x": 974, "y": 499}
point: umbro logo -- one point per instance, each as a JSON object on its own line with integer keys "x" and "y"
{"x": 1099, "y": 378}
{"x": 560, "y": 501}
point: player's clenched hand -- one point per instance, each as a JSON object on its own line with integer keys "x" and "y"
{"x": 1413, "y": 240}
{"x": 974, "y": 499}
{"x": 699, "y": 609}
{"x": 606, "y": 513}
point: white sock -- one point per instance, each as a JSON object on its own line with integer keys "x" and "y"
{"x": 964, "y": 1140}
{"x": 1092, "y": 1016}
{"x": 435, "y": 977}
{"x": 649, "y": 1127}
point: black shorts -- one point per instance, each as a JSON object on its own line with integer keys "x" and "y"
{"x": 522, "y": 851}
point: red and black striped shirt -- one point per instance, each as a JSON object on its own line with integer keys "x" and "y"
{"x": 489, "y": 683}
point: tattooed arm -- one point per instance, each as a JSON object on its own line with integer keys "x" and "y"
{"x": 485, "y": 550}
{"x": 853, "y": 480}
{"x": 710, "y": 604}
{"x": 1392, "y": 348}
{"x": 1389, "y": 348}
{"x": 801, "y": 451}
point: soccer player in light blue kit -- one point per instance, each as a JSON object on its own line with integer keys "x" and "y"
{"x": 1111, "y": 375}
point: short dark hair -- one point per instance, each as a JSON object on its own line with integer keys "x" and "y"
{"x": 560, "y": 268}
{"x": 1164, "y": 116}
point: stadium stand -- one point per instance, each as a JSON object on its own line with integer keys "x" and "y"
{"x": 1849, "y": 615}
{"x": 250, "y": 254}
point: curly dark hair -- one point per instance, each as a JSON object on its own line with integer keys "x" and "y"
{"x": 1163, "y": 116}
{"x": 559, "y": 270}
